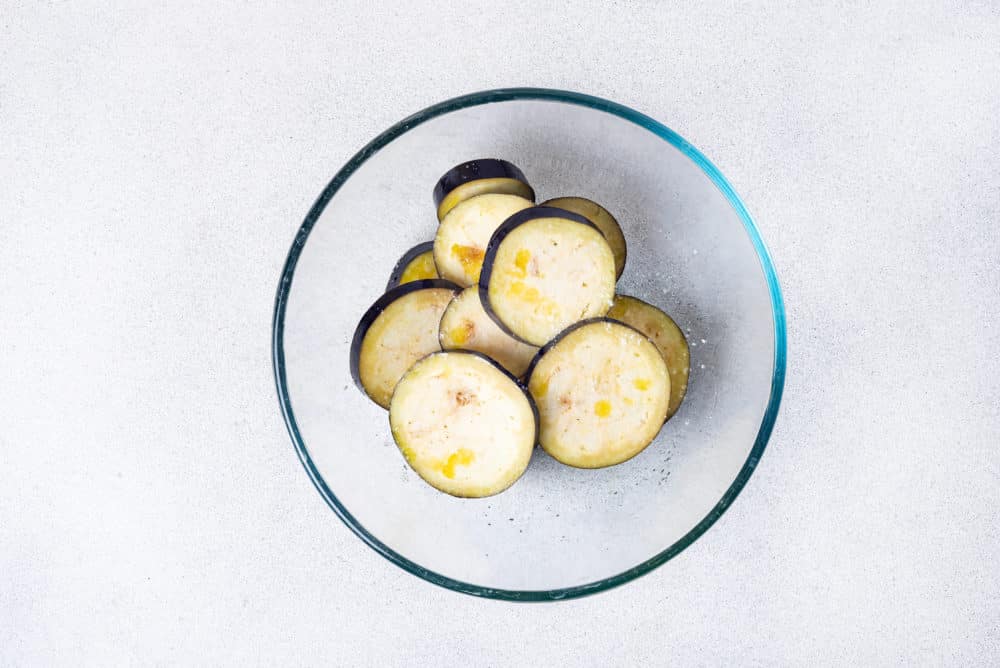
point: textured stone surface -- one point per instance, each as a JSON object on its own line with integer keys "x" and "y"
{"x": 154, "y": 165}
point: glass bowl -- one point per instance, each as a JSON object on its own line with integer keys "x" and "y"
{"x": 692, "y": 250}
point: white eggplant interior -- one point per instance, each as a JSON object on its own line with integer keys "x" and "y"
{"x": 465, "y": 325}
{"x": 665, "y": 335}
{"x": 548, "y": 273}
{"x": 419, "y": 268}
{"x": 403, "y": 333}
{"x": 462, "y": 424}
{"x": 602, "y": 393}
{"x": 604, "y": 221}
{"x": 461, "y": 238}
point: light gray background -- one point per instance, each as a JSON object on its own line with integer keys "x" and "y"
{"x": 155, "y": 164}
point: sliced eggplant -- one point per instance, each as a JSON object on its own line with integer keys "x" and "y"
{"x": 463, "y": 423}
{"x": 465, "y": 325}
{"x": 461, "y": 239}
{"x": 416, "y": 264}
{"x": 479, "y": 177}
{"x": 398, "y": 329}
{"x": 601, "y": 217}
{"x": 665, "y": 335}
{"x": 602, "y": 391}
{"x": 544, "y": 269}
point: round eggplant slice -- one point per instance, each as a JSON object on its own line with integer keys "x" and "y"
{"x": 416, "y": 264}
{"x": 462, "y": 236}
{"x": 602, "y": 391}
{"x": 463, "y": 423}
{"x": 479, "y": 177}
{"x": 605, "y": 222}
{"x": 665, "y": 335}
{"x": 544, "y": 269}
{"x": 465, "y": 325}
{"x": 399, "y": 328}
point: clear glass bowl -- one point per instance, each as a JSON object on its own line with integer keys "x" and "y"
{"x": 692, "y": 250}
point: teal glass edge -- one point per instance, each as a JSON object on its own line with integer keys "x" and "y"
{"x": 580, "y": 99}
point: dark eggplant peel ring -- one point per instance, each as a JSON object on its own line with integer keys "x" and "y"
{"x": 665, "y": 335}
{"x": 415, "y": 264}
{"x": 603, "y": 392}
{"x": 397, "y": 330}
{"x": 544, "y": 269}
{"x": 463, "y": 423}
{"x": 461, "y": 238}
{"x": 479, "y": 177}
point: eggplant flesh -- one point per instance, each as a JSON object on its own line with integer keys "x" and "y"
{"x": 604, "y": 221}
{"x": 397, "y": 330}
{"x": 462, "y": 237}
{"x": 545, "y": 269}
{"x": 602, "y": 390}
{"x": 465, "y": 325}
{"x": 416, "y": 264}
{"x": 463, "y": 423}
{"x": 665, "y": 335}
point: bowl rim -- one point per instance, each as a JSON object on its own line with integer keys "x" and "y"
{"x": 547, "y": 95}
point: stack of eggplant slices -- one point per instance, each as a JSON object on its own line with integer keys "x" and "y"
{"x": 505, "y": 331}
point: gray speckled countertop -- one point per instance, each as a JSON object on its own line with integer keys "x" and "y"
{"x": 155, "y": 165}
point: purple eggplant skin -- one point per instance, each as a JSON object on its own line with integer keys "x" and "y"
{"x": 473, "y": 170}
{"x": 381, "y": 304}
{"x": 499, "y": 235}
{"x": 406, "y": 259}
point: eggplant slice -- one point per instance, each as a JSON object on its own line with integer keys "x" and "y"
{"x": 479, "y": 177}
{"x": 544, "y": 269}
{"x": 416, "y": 264}
{"x": 463, "y": 423}
{"x": 605, "y": 222}
{"x": 665, "y": 335}
{"x": 397, "y": 330}
{"x": 461, "y": 239}
{"x": 602, "y": 391}
{"x": 465, "y": 325}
